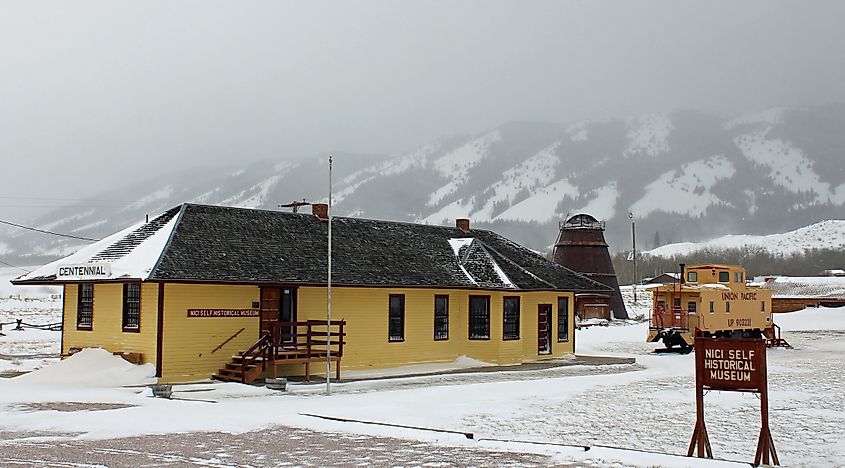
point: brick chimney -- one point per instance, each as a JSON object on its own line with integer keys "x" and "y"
{"x": 320, "y": 210}
{"x": 462, "y": 224}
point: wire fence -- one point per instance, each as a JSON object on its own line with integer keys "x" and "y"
{"x": 20, "y": 325}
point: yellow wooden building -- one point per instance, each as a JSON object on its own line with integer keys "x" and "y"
{"x": 235, "y": 293}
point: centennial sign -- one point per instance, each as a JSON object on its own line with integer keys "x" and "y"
{"x": 737, "y": 365}
{"x": 224, "y": 313}
{"x": 88, "y": 270}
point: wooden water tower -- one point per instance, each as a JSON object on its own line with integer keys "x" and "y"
{"x": 581, "y": 247}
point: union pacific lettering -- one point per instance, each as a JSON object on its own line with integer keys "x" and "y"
{"x": 744, "y": 296}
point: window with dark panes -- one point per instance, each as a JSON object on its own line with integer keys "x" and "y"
{"x": 479, "y": 317}
{"x": 441, "y": 317}
{"x": 131, "y": 306}
{"x": 724, "y": 276}
{"x": 562, "y": 319}
{"x": 691, "y": 307}
{"x": 396, "y": 318}
{"x": 85, "y": 306}
{"x": 511, "y": 318}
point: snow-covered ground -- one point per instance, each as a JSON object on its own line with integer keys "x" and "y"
{"x": 643, "y": 408}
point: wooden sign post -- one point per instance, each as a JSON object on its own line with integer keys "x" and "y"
{"x": 737, "y": 365}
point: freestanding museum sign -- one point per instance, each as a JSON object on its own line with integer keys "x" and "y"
{"x": 737, "y": 365}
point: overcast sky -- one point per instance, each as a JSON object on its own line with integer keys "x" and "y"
{"x": 94, "y": 93}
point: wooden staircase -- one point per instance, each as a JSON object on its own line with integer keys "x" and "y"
{"x": 287, "y": 343}
{"x": 776, "y": 340}
{"x": 234, "y": 371}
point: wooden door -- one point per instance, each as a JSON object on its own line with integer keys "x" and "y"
{"x": 287, "y": 313}
{"x": 544, "y": 329}
{"x": 270, "y": 302}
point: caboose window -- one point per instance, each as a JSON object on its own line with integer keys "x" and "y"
{"x": 712, "y": 307}
{"x": 724, "y": 277}
{"x": 692, "y": 276}
{"x": 737, "y": 277}
{"x": 762, "y": 306}
{"x": 691, "y": 307}
{"x": 727, "y": 306}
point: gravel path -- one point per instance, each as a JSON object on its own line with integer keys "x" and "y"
{"x": 278, "y": 447}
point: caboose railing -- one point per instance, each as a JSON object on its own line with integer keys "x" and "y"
{"x": 675, "y": 317}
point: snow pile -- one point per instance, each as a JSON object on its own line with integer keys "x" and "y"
{"x": 828, "y": 234}
{"x": 462, "y": 362}
{"x": 812, "y": 320}
{"x": 91, "y": 367}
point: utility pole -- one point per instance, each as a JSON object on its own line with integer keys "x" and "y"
{"x": 634, "y": 252}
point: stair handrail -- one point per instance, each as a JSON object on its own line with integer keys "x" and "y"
{"x": 221, "y": 345}
{"x": 249, "y": 356}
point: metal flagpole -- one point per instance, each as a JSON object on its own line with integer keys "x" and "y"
{"x": 329, "y": 294}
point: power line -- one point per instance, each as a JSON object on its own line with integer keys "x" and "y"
{"x": 15, "y": 266}
{"x": 65, "y": 199}
{"x": 59, "y": 205}
{"x": 48, "y": 232}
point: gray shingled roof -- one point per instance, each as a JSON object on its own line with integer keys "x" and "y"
{"x": 223, "y": 244}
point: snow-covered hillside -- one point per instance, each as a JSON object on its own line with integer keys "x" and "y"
{"x": 685, "y": 175}
{"x": 824, "y": 235}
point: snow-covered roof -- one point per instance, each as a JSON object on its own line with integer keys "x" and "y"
{"x": 807, "y": 287}
{"x": 129, "y": 254}
{"x": 223, "y": 244}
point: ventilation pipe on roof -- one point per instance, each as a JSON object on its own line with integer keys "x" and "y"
{"x": 462, "y": 224}
{"x": 320, "y": 210}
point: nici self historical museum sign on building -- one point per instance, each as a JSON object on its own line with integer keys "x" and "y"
{"x": 737, "y": 365}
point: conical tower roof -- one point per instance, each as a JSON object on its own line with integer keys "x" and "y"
{"x": 581, "y": 247}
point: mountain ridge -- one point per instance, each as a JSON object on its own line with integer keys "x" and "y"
{"x": 685, "y": 175}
